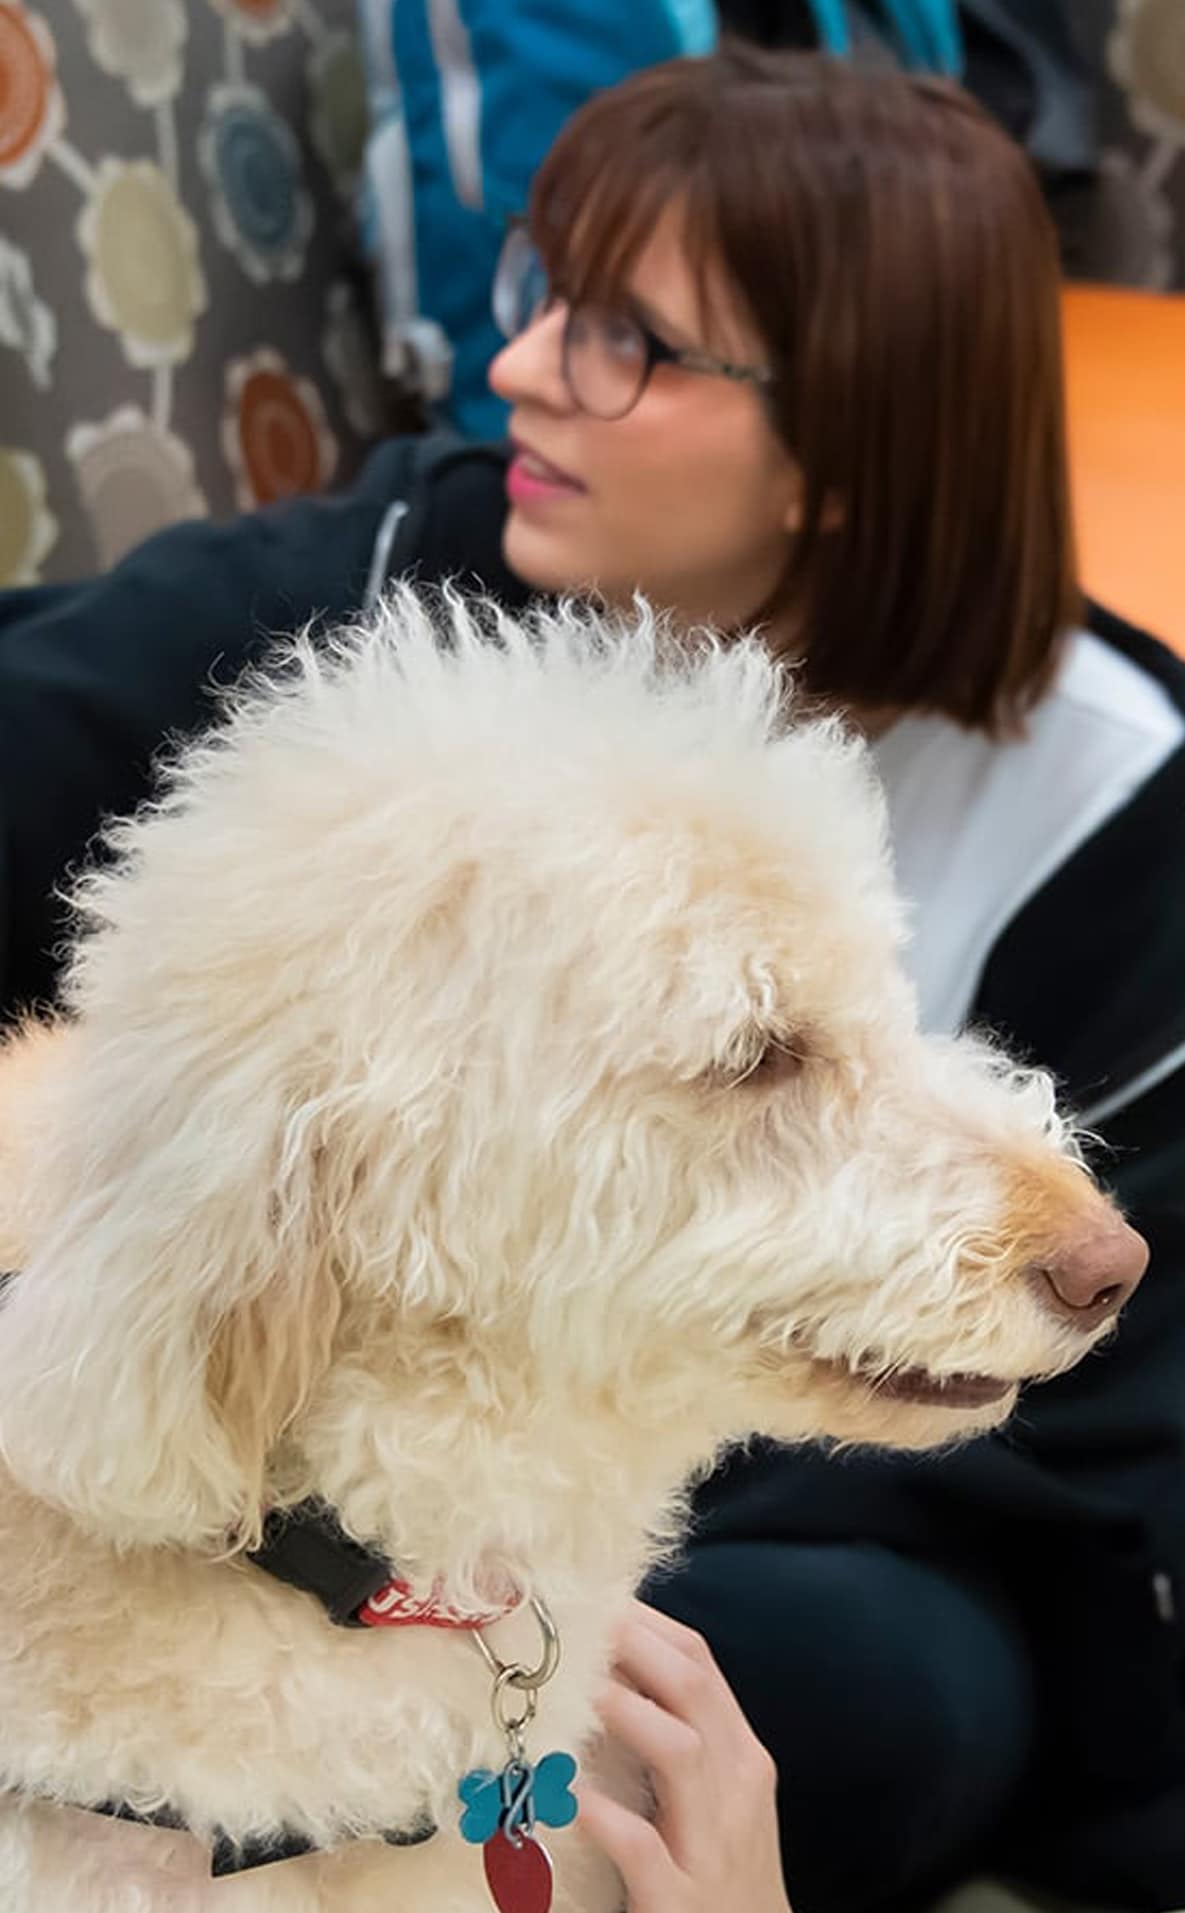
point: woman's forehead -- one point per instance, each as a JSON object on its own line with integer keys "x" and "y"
{"x": 678, "y": 288}
{"x": 690, "y": 290}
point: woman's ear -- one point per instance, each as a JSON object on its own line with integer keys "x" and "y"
{"x": 175, "y": 1314}
{"x": 833, "y": 512}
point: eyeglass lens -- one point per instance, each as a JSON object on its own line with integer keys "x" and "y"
{"x": 605, "y": 355}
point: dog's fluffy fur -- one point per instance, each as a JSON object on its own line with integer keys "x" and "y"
{"x": 489, "y": 1086}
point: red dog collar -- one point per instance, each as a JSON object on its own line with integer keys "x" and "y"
{"x": 307, "y": 1548}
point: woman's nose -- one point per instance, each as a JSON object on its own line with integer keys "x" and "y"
{"x": 531, "y": 366}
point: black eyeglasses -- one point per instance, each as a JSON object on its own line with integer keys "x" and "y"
{"x": 608, "y": 355}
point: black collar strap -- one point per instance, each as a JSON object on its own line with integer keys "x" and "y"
{"x": 241, "y": 1856}
{"x": 307, "y": 1548}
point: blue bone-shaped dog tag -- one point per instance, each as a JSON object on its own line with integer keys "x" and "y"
{"x": 512, "y": 1801}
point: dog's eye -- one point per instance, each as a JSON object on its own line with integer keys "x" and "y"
{"x": 760, "y": 1061}
{"x": 780, "y": 1061}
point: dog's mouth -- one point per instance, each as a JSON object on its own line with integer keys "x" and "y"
{"x": 941, "y": 1391}
{"x": 875, "y": 1373}
{"x": 919, "y": 1385}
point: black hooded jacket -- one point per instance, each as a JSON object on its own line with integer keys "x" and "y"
{"x": 1078, "y": 1509}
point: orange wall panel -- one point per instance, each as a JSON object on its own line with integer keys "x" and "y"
{"x": 1125, "y": 367}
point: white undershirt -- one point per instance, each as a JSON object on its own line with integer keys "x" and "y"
{"x": 978, "y": 827}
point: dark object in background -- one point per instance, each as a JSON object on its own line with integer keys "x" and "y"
{"x": 1022, "y": 62}
{"x": 773, "y": 23}
{"x": 1041, "y": 68}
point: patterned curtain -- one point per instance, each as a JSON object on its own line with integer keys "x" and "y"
{"x": 179, "y": 332}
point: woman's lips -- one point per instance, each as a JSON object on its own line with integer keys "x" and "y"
{"x": 532, "y": 479}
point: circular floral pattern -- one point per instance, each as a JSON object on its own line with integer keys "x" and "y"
{"x": 251, "y": 159}
{"x": 144, "y": 280}
{"x": 134, "y": 479}
{"x": 340, "y": 113}
{"x": 255, "y": 20}
{"x": 275, "y": 434}
{"x": 28, "y": 528}
{"x": 32, "y": 112}
{"x": 1147, "y": 57}
{"x": 140, "y": 42}
{"x": 26, "y": 322}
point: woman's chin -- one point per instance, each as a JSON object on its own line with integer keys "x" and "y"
{"x": 541, "y": 555}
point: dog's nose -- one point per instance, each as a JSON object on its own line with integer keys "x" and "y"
{"x": 1091, "y": 1277}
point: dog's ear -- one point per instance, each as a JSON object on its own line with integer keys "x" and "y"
{"x": 180, "y": 1305}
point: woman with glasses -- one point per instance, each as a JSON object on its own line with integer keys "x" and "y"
{"x": 783, "y": 349}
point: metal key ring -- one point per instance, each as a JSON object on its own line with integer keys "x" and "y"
{"x": 513, "y": 1673}
{"x": 506, "y": 1722}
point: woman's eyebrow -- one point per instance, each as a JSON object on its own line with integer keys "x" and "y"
{"x": 666, "y": 329}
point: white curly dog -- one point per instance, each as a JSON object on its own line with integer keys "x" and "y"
{"x": 489, "y": 1086}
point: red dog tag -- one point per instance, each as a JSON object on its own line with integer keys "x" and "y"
{"x": 519, "y": 1878}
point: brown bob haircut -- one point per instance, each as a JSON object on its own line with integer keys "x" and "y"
{"x": 890, "y": 247}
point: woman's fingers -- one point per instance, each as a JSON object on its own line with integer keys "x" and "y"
{"x": 677, "y": 1761}
{"x": 637, "y": 1850}
{"x": 674, "y": 1666}
{"x": 713, "y": 1842}
{"x": 684, "y": 1638}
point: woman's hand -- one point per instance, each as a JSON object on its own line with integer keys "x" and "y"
{"x": 714, "y": 1839}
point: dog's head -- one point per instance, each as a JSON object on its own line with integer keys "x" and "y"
{"x": 530, "y": 1002}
